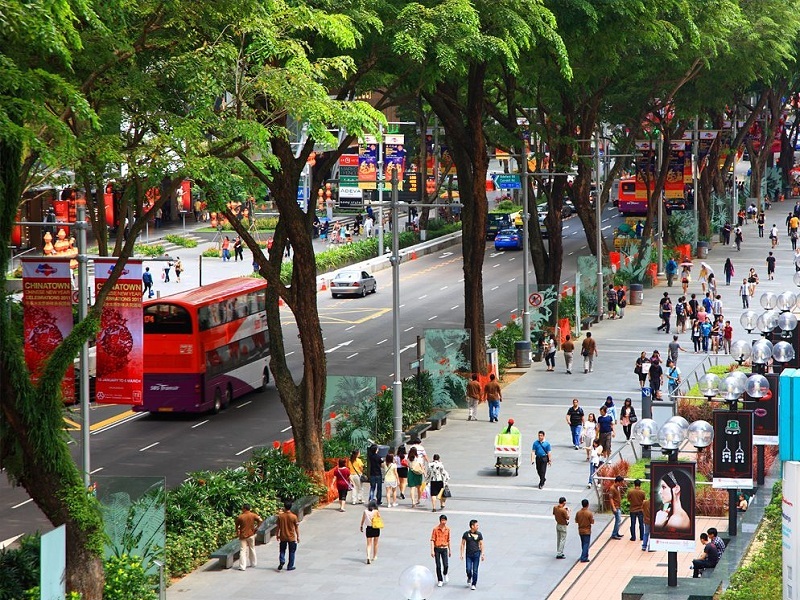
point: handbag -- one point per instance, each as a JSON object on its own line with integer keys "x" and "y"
{"x": 363, "y": 478}
{"x": 377, "y": 522}
{"x": 633, "y": 418}
{"x": 446, "y": 492}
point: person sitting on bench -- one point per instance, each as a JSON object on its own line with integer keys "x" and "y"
{"x": 708, "y": 559}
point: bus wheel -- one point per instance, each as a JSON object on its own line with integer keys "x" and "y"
{"x": 217, "y": 401}
{"x": 228, "y": 396}
{"x": 265, "y": 380}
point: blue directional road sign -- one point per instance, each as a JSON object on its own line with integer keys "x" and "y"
{"x": 508, "y": 182}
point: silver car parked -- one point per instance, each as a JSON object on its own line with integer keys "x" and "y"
{"x": 353, "y": 283}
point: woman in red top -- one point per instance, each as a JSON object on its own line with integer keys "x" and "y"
{"x": 342, "y": 477}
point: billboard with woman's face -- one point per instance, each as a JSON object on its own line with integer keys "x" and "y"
{"x": 672, "y": 497}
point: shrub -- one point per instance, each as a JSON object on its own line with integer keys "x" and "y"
{"x": 611, "y": 470}
{"x": 126, "y": 579}
{"x": 19, "y": 568}
{"x": 503, "y": 339}
{"x": 149, "y": 249}
{"x": 211, "y": 253}
{"x": 281, "y": 475}
{"x": 180, "y": 240}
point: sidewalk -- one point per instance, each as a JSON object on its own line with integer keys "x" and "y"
{"x": 515, "y": 517}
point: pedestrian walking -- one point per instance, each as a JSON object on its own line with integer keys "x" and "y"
{"x": 575, "y": 420}
{"x": 226, "y": 249}
{"x": 402, "y": 471}
{"x": 440, "y": 550}
{"x": 622, "y": 302}
{"x": 246, "y": 525}
{"x": 674, "y": 349}
{"x": 472, "y": 552}
{"x": 773, "y": 235}
{"x": 611, "y": 408}
{"x": 541, "y": 455}
{"x": 561, "y": 515}
{"x": 770, "y": 266}
{"x": 568, "y": 347}
{"x": 656, "y": 377}
{"x": 728, "y": 270}
{"x": 680, "y": 314}
{"x": 646, "y": 521}
{"x": 686, "y": 277}
{"x": 595, "y": 460}
{"x": 371, "y": 517}
{"x": 374, "y": 468}
{"x": 727, "y": 337}
{"x": 589, "y": 434}
{"x": 288, "y": 536}
{"x": 605, "y": 429}
{"x": 671, "y": 270}
{"x": 611, "y": 301}
{"x": 673, "y": 377}
{"x": 167, "y": 267}
{"x": 341, "y": 475}
{"x": 474, "y": 395}
{"x": 588, "y": 351}
{"x": 641, "y": 368}
{"x": 356, "y": 468}
{"x": 665, "y": 312}
{"x": 416, "y": 474}
{"x": 437, "y": 482}
{"x": 390, "y": 479}
{"x": 738, "y": 238}
{"x": 549, "y": 352}
{"x": 615, "y": 501}
{"x": 627, "y": 417}
{"x": 584, "y": 519}
{"x": 636, "y": 498}
{"x": 744, "y": 293}
{"x": 147, "y": 282}
{"x": 494, "y": 396}
{"x": 238, "y": 249}
{"x": 178, "y": 269}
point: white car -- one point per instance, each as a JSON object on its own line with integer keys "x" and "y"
{"x": 353, "y": 283}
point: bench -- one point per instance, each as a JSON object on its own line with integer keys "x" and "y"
{"x": 438, "y": 419}
{"x": 302, "y": 506}
{"x": 419, "y": 430}
{"x": 586, "y": 322}
{"x": 267, "y": 529}
{"x": 227, "y": 555}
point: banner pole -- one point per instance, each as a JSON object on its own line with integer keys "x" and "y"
{"x": 83, "y": 311}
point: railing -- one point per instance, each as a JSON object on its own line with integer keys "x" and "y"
{"x": 689, "y": 380}
{"x": 12, "y": 265}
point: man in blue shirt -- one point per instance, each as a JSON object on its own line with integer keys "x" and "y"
{"x": 540, "y": 454}
{"x": 605, "y": 428}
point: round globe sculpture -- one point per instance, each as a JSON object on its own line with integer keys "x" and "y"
{"x": 646, "y": 431}
{"x": 767, "y": 321}
{"x": 741, "y": 350}
{"x": 749, "y": 319}
{"x": 762, "y": 352}
{"x": 796, "y": 277}
{"x": 700, "y": 434}
{"x": 709, "y": 385}
{"x": 768, "y": 300}
{"x": 417, "y": 583}
{"x": 786, "y": 301}
{"x": 787, "y": 321}
{"x": 783, "y": 352}
{"x": 670, "y": 436}
{"x": 757, "y": 386}
{"x": 681, "y": 422}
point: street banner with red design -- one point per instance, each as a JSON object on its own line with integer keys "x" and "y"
{"x": 47, "y": 314}
{"x": 674, "y": 186}
{"x": 120, "y": 358}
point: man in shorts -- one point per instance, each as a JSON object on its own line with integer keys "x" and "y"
{"x": 605, "y": 427}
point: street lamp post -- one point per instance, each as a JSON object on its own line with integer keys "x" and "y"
{"x": 526, "y": 248}
{"x": 83, "y": 310}
{"x": 397, "y": 384}
{"x": 599, "y": 231}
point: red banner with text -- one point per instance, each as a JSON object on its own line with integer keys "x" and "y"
{"x": 120, "y": 356}
{"x": 47, "y": 314}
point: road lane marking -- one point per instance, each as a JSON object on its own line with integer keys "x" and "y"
{"x": 571, "y": 253}
{"x": 115, "y": 422}
{"x": 443, "y": 288}
{"x": 289, "y": 353}
{"x": 285, "y": 429}
{"x": 495, "y": 288}
{"x": 495, "y": 266}
{"x": 606, "y": 227}
{"x": 512, "y": 280}
{"x": 349, "y": 328}
{"x": 408, "y": 329}
{"x": 352, "y": 355}
{"x": 199, "y": 424}
{"x": 432, "y": 318}
{"x": 422, "y": 297}
{"x": 243, "y": 451}
{"x": 408, "y": 347}
{"x": 454, "y": 307}
{"x": 9, "y": 541}
{"x": 382, "y": 342}
{"x": 22, "y": 503}
{"x": 495, "y": 321}
{"x": 97, "y": 470}
{"x": 512, "y": 258}
{"x": 243, "y": 404}
{"x": 150, "y": 446}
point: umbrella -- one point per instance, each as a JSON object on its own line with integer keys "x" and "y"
{"x": 707, "y": 267}
{"x": 688, "y": 263}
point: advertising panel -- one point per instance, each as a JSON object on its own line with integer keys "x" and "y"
{"x": 705, "y": 141}
{"x": 47, "y": 314}
{"x": 674, "y": 186}
{"x": 765, "y": 414}
{"x": 120, "y": 358}
{"x": 733, "y": 455}
{"x": 790, "y": 517}
{"x": 672, "y": 507}
{"x": 645, "y": 167}
{"x": 368, "y": 163}
{"x": 394, "y": 159}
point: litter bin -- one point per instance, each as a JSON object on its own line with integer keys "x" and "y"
{"x": 702, "y": 249}
{"x": 522, "y": 354}
{"x": 636, "y": 294}
{"x": 647, "y": 403}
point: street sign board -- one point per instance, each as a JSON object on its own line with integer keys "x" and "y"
{"x": 508, "y": 182}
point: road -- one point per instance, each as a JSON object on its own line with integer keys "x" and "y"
{"x": 358, "y": 336}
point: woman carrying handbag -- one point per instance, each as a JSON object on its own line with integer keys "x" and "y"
{"x": 627, "y": 418}
{"x": 374, "y": 521}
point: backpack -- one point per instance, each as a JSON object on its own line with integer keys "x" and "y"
{"x": 612, "y": 296}
{"x": 679, "y": 309}
{"x": 705, "y": 328}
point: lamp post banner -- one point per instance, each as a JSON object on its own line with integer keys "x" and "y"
{"x": 47, "y": 314}
{"x": 765, "y": 414}
{"x": 368, "y": 164}
{"x": 120, "y": 352}
{"x": 733, "y": 454}
{"x": 672, "y": 507}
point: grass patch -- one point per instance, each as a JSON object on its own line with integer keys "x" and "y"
{"x": 151, "y": 250}
{"x": 181, "y": 241}
{"x": 761, "y": 576}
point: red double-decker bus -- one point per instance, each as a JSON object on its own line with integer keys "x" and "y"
{"x": 205, "y": 347}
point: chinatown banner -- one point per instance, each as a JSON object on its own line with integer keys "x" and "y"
{"x": 672, "y": 508}
{"x": 705, "y": 141}
{"x": 47, "y": 315}
{"x": 674, "y": 186}
{"x": 645, "y": 167}
{"x": 733, "y": 449}
{"x": 120, "y": 360}
{"x": 394, "y": 159}
{"x": 368, "y": 163}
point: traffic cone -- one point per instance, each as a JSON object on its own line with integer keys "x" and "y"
{"x": 413, "y": 255}
{"x": 324, "y": 286}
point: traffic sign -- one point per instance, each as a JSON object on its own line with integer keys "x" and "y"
{"x": 535, "y": 300}
{"x": 508, "y": 182}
